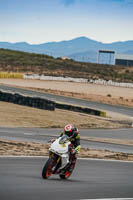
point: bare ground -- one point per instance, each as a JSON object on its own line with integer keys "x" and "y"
{"x": 12, "y": 115}
{"x": 36, "y": 149}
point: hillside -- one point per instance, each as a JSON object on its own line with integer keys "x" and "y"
{"x": 17, "y": 61}
{"x": 80, "y": 49}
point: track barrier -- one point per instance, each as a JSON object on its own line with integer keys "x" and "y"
{"x": 46, "y": 104}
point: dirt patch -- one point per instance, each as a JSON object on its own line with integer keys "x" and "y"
{"x": 12, "y": 115}
{"x": 105, "y": 154}
{"x": 36, "y": 149}
{"x": 108, "y": 140}
{"x": 8, "y": 147}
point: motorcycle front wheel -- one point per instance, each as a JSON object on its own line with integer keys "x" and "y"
{"x": 66, "y": 175}
{"x": 47, "y": 170}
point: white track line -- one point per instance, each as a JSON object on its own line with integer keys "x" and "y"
{"x": 28, "y": 134}
{"x": 110, "y": 199}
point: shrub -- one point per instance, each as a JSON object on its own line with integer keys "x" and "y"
{"x": 109, "y": 95}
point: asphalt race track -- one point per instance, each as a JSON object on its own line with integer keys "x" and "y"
{"x": 43, "y": 135}
{"x": 20, "y": 178}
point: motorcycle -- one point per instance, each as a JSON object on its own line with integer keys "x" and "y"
{"x": 61, "y": 160}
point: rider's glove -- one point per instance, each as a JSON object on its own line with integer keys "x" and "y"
{"x": 52, "y": 140}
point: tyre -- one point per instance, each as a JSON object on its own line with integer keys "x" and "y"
{"x": 47, "y": 170}
{"x": 66, "y": 175}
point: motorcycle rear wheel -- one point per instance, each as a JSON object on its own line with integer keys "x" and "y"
{"x": 47, "y": 170}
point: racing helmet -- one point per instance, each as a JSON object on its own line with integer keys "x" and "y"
{"x": 69, "y": 129}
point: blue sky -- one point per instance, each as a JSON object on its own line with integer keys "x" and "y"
{"x": 40, "y": 21}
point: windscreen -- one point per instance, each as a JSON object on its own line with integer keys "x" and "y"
{"x": 63, "y": 139}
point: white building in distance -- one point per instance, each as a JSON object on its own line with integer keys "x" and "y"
{"x": 118, "y": 59}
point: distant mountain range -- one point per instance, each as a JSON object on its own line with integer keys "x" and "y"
{"x": 80, "y": 49}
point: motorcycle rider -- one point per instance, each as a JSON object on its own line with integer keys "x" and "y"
{"x": 74, "y": 137}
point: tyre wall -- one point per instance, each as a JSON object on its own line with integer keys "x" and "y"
{"x": 46, "y": 104}
{"x": 20, "y": 99}
{"x": 81, "y": 109}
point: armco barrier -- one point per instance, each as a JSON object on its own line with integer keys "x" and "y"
{"x": 27, "y": 100}
{"x": 45, "y": 104}
{"x": 80, "y": 109}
